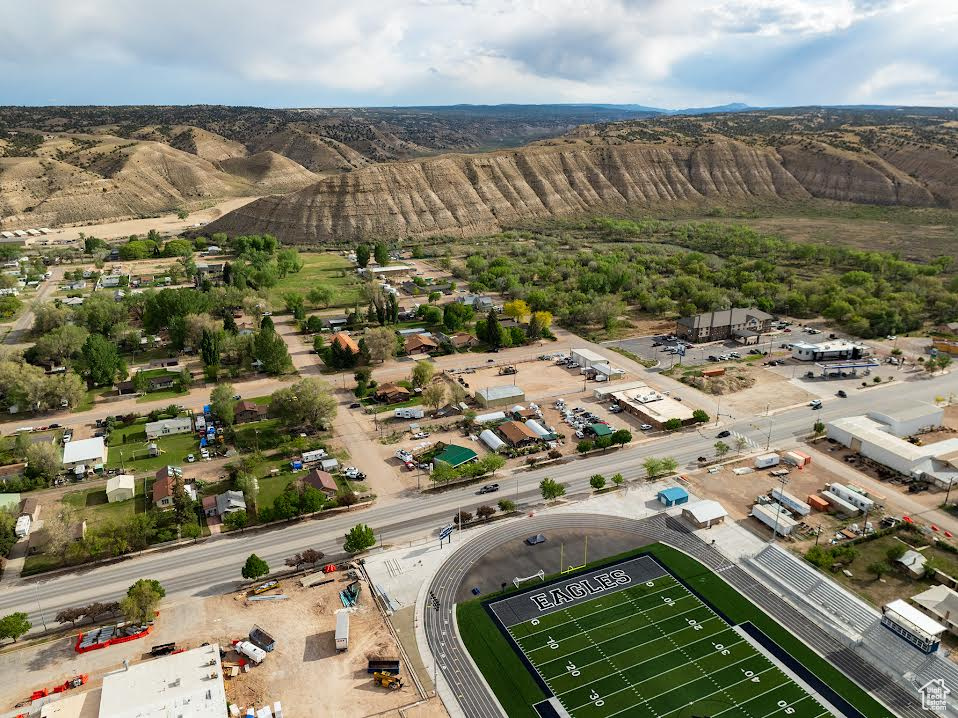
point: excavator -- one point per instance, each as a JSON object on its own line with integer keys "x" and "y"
{"x": 386, "y": 680}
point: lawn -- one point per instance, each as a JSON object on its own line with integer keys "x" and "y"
{"x": 653, "y": 645}
{"x": 94, "y": 508}
{"x": 163, "y": 394}
{"x": 134, "y": 457}
{"x": 320, "y": 269}
{"x": 260, "y": 435}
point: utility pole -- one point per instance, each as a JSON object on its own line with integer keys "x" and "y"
{"x": 36, "y": 585}
{"x": 768, "y": 439}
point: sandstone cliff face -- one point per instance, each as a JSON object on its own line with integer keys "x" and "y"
{"x": 936, "y": 169}
{"x": 473, "y": 194}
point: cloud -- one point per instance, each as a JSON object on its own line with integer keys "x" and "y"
{"x": 375, "y": 52}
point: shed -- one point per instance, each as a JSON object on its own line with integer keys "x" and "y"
{"x": 673, "y": 496}
{"x": 704, "y": 514}
{"x": 586, "y": 357}
{"x": 491, "y": 440}
{"x": 456, "y": 455}
{"x": 329, "y": 464}
{"x": 120, "y": 488}
{"x": 600, "y": 430}
{"x": 496, "y": 396}
{"x": 914, "y": 562}
{"x": 30, "y": 507}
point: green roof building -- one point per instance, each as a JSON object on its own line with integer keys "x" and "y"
{"x": 599, "y": 430}
{"x": 456, "y": 456}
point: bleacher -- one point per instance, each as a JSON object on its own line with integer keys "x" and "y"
{"x": 807, "y": 583}
{"x": 884, "y": 646}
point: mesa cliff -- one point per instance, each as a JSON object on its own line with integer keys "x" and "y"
{"x": 465, "y": 195}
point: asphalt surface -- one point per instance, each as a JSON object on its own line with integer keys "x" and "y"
{"x": 213, "y": 566}
{"x": 470, "y": 688}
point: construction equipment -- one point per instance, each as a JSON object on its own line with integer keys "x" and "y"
{"x": 263, "y": 587}
{"x": 382, "y": 664}
{"x": 393, "y": 683}
{"x": 261, "y": 639}
{"x": 507, "y": 370}
{"x": 350, "y": 594}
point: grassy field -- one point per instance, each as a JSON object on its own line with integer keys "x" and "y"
{"x": 135, "y": 456}
{"x": 668, "y": 687}
{"x": 94, "y": 508}
{"x": 320, "y": 269}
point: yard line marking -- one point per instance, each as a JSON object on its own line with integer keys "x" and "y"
{"x": 773, "y": 688}
{"x": 640, "y": 628}
{"x": 595, "y": 613}
{"x": 790, "y": 705}
{"x": 660, "y": 655}
{"x": 652, "y": 678}
{"x": 631, "y": 615}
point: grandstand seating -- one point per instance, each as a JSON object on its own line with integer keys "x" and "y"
{"x": 816, "y": 588}
{"x": 884, "y": 646}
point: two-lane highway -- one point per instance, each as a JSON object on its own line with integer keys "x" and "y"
{"x": 214, "y": 566}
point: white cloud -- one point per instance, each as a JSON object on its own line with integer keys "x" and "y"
{"x": 434, "y": 51}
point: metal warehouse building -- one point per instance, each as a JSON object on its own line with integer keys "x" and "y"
{"x": 586, "y": 357}
{"x": 496, "y": 396}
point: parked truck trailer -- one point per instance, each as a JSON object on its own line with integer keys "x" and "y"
{"x": 342, "y": 630}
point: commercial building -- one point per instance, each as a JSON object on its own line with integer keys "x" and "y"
{"x": 828, "y": 351}
{"x": 912, "y": 625}
{"x": 390, "y": 270}
{"x": 704, "y": 514}
{"x": 742, "y": 324}
{"x": 169, "y": 427}
{"x": 455, "y": 455}
{"x": 185, "y": 685}
{"x": 586, "y": 357}
{"x": 517, "y": 434}
{"x": 907, "y": 418}
{"x": 941, "y": 604}
{"x": 120, "y": 488}
{"x": 646, "y": 404}
{"x": 936, "y": 462}
{"x": 85, "y": 452}
{"x": 496, "y": 396}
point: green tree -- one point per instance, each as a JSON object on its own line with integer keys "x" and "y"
{"x": 551, "y": 489}
{"x": 621, "y": 437}
{"x": 99, "y": 361}
{"x": 43, "y": 462}
{"x": 236, "y": 520}
{"x": 295, "y": 304}
{"x": 485, "y": 512}
{"x": 422, "y": 372}
{"x": 320, "y": 296}
{"x": 210, "y": 348}
{"x": 359, "y": 538}
{"x": 434, "y": 297}
{"x": 308, "y": 403}
{"x": 455, "y": 316}
{"x": 585, "y": 446}
{"x": 895, "y": 552}
{"x": 493, "y": 330}
{"x": 141, "y": 601}
{"x": 381, "y": 254}
{"x": 597, "y": 482}
{"x": 878, "y": 568}
{"x": 740, "y": 443}
{"x": 669, "y": 465}
{"x": 618, "y": 479}
{"x": 362, "y": 255}
{"x": 700, "y": 416}
{"x": 223, "y": 403}
{"x": 14, "y": 625}
{"x": 255, "y": 567}
{"x": 507, "y": 506}
{"x": 269, "y": 348}
{"x": 672, "y": 425}
{"x": 191, "y": 530}
{"x": 653, "y": 467}
{"x": 818, "y": 428}
{"x": 152, "y": 583}
{"x": 380, "y": 343}
{"x": 721, "y": 448}
{"x": 434, "y": 395}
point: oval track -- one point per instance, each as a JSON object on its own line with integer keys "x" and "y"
{"x": 474, "y": 696}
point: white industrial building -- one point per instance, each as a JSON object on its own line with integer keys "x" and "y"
{"x": 496, "y": 396}
{"x": 586, "y": 357}
{"x": 85, "y": 451}
{"x": 186, "y": 685}
{"x": 908, "y": 418}
{"x": 828, "y": 351}
{"x": 936, "y": 462}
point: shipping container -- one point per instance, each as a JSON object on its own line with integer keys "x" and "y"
{"x": 766, "y": 460}
{"x": 796, "y": 458}
{"x": 791, "y": 502}
{"x": 817, "y": 503}
{"x": 342, "y": 630}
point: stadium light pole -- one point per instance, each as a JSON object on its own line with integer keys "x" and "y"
{"x": 783, "y": 480}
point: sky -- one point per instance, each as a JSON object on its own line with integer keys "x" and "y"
{"x": 322, "y": 53}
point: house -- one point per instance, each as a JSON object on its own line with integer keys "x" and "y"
{"x": 247, "y": 411}
{"x": 914, "y": 563}
{"x": 120, "y": 488}
{"x": 392, "y": 393}
{"x": 163, "y": 363}
{"x": 321, "y": 481}
{"x": 159, "y": 383}
{"x": 166, "y": 480}
{"x": 517, "y": 433}
{"x": 85, "y": 451}
{"x": 110, "y": 280}
{"x": 344, "y": 341}
{"x": 477, "y": 302}
{"x": 463, "y": 341}
{"x": 30, "y": 507}
{"x": 332, "y": 323}
{"x": 125, "y": 387}
{"x": 940, "y": 603}
{"x": 420, "y": 344}
{"x": 169, "y": 427}
{"x": 742, "y": 324}
{"x": 229, "y": 502}
{"x": 212, "y": 273}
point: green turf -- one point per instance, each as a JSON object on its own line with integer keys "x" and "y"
{"x": 634, "y": 637}
{"x": 320, "y": 269}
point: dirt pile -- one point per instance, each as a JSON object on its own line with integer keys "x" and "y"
{"x": 735, "y": 378}
{"x": 473, "y": 194}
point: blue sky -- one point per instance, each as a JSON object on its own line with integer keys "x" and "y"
{"x": 285, "y": 53}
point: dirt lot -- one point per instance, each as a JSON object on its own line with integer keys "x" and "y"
{"x": 770, "y": 390}
{"x": 540, "y": 380}
{"x": 303, "y": 627}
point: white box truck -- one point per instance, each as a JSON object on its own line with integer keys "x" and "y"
{"x": 409, "y": 412}
{"x": 342, "y": 630}
{"x": 766, "y": 460}
{"x": 251, "y": 651}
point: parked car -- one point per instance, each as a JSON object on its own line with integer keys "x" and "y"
{"x": 421, "y": 435}
{"x": 488, "y": 489}
{"x": 537, "y": 539}
{"x": 355, "y": 405}
{"x": 351, "y": 472}
{"x": 841, "y": 394}
{"x": 646, "y": 427}
{"x": 190, "y": 458}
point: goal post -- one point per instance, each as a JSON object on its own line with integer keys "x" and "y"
{"x": 540, "y": 574}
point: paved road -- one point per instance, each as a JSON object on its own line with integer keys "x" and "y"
{"x": 21, "y": 326}
{"x": 214, "y": 567}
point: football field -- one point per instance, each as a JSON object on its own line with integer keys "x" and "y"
{"x": 631, "y": 640}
